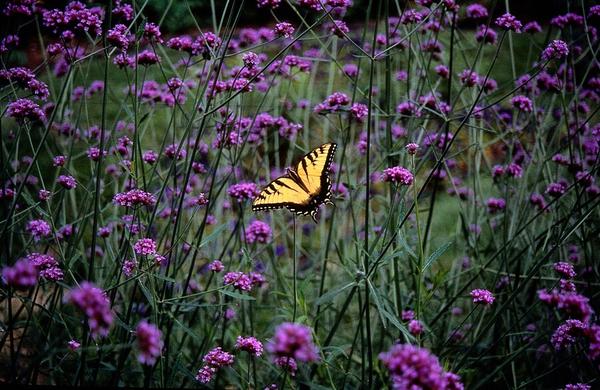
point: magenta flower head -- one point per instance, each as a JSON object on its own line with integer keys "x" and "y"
{"x": 359, "y": 111}
{"x": 22, "y": 109}
{"x": 23, "y": 274}
{"x": 134, "y": 197}
{"x": 284, "y": 29}
{"x": 74, "y": 345}
{"x": 145, "y": 247}
{"x": 482, "y": 296}
{"x": 412, "y": 148}
{"x": 243, "y": 191}
{"x": 249, "y": 344}
{"x": 557, "y": 49}
{"x": 415, "y": 327}
{"x": 509, "y": 22}
{"x": 239, "y": 280}
{"x": 495, "y": 205}
{"x": 398, "y": 175}
{"x": 149, "y": 343}
{"x": 46, "y": 265}
{"x": 67, "y": 182}
{"x": 38, "y": 228}
{"x": 259, "y": 232}
{"x": 214, "y": 360}
{"x": 216, "y": 266}
{"x": 522, "y": 103}
{"x": 412, "y": 367}
{"x": 565, "y": 269}
{"x": 95, "y": 305}
{"x": 292, "y": 340}
{"x": 565, "y": 334}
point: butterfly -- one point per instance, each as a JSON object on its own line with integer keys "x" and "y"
{"x": 303, "y": 188}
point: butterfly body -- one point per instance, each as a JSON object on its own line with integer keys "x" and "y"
{"x": 304, "y": 188}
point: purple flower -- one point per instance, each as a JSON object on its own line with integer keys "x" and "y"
{"x": 38, "y": 228}
{"x": 129, "y": 265}
{"x": 249, "y": 344}
{"x": 556, "y": 189}
{"x": 214, "y": 360}
{"x": 339, "y": 28}
{"x": 67, "y": 182}
{"x": 216, "y": 266}
{"x": 577, "y": 386}
{"x": 149, "y": 342}
{"x": 482, "y": 296}
{"x": 412, "y": 367}
{"x": 359, "y": 111}
{"x": 22, "y": 109}
{"x": 74, "y": 345}
{"x": 287, "y": 363}
{"x": 284, "y": 29}
{"x": 509, "y": 22}
{"x": 23, "y": 274}
{"x": 522, "y": 103}
{"x": 532, "y": 27}
{"x": 556, "y": 49}
{"x": 398, "y": 175}
{"x": 243, "y": 191}
{"x": 145, "y": 247}
{"x": 407, "y": 315}
{"x": 147, "y": 57}
{"x": 118, "y": 36}
{"x": 292, "y": 340}
{"x": 46, "y": 265}
{"x": 134, "y": 197}
{"x": 258, "y": 231}
{"x": 565, "y": 334}
{"x": 238, "y": 280}
{"x": 268, "y": 3}
{"x": 565, "y": 269}
{"x": 476, "y": 11}
{"x": 96, "y": 306}
{"x": 495, "y": 205}
{"x": 415, "y": 327}
{"x": 150, "y": 157}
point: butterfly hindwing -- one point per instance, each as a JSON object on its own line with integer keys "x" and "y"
{"x": 281, "y": 192}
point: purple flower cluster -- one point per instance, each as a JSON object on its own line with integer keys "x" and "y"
{"x": 238, "y": 280}
{"x": 23, "y": 274}
{"x": 134, "y": 197}
{"x": 482, "y": 296}
{"x": 46, "y": 265}
{"x": 96, "y": 306}
{"x": 38, "y": 228}
{"x": 145, "y": 247}
{"x": 243, "y": 191}
{"x": 412, "y": 367}
{"x": 398, "y": 175}
{"x": 22, "y": 109}
{"x": 149, "y": 341}
{"x": 556, "y": 49}
{"x": 214, "y": 360}
{"x": 249, "y": 344}
{"x": 292, "y": 340}
{"x": 258, "y": 232}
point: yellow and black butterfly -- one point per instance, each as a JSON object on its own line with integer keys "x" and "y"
{"x": 303, "y": 188}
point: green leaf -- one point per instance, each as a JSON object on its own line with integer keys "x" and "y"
{"x": 331, "y": 294}
{"x": 212, "y": 235}
{"x": 235, "y": 295}
{"x": 436, "y": 254}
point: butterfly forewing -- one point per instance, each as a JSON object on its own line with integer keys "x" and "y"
{"x": 314, "y": 166}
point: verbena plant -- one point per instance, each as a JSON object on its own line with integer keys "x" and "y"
{"x": 461, "y": 251}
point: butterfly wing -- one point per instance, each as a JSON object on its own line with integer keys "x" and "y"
{"x": 313, "y": 168}
{"x": 281, "y": 192}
